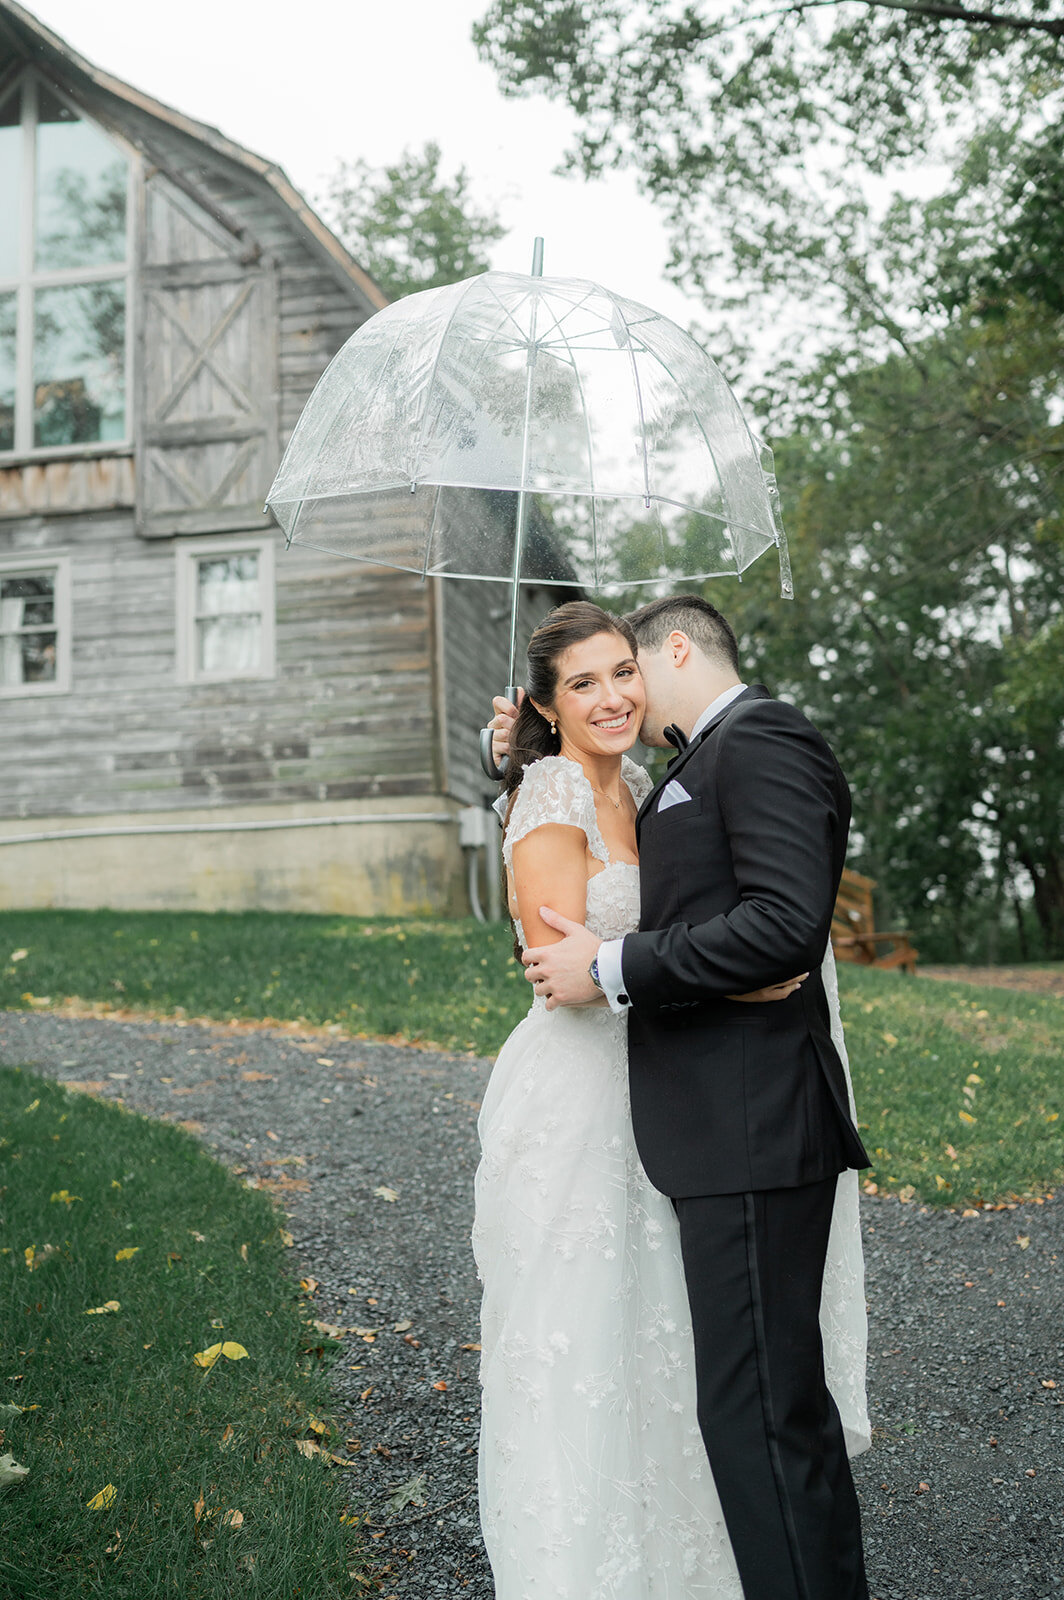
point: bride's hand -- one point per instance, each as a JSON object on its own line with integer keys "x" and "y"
{"x": 501, "y": 723}
{"x": 774, "y": 991}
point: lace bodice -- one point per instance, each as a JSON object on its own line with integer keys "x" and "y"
{"x": 557, "y": 790}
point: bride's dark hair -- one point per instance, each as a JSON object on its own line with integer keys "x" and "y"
{"x": 530, "y": 736}
{"x": 572, "y": 623}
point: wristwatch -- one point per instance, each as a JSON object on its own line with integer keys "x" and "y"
{"x": 593, "y": 974}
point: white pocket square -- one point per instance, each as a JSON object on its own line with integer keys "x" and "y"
{"x": 673, "y": 794}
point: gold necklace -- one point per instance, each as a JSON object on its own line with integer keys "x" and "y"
{"x": 616, "y": 804}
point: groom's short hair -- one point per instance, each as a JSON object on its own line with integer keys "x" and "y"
{"x": 690, "y": 614}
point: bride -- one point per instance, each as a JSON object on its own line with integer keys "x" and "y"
{"x": 594, "y": 1480}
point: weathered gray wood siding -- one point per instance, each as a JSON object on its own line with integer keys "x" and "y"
{"x": 349, "y": 713}
{"x": 475, "y": 651}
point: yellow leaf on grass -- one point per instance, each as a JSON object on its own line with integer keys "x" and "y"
{"x": 105, "y": 1498}
{"x": 33, "y": 1103}
{"x": 128, "y": 1253}
{"x": 232, "y": 1519}
{"x": 63, "y": 1197}
{"x": 965, "y": 1116}
{"x": 230, "y": 1350}
{"x": 890, "y": 1038}
{"x": 99, "y": 1311}
{"x": 197, "y": 1509}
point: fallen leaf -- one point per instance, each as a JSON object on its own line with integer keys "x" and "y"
{"x": 106, "y": 1497}
{"x": 470, "y": 1347}
{"x": 401, "y": 1327}
{"x": 440, "y": 1385}
{"x": 64, "y": 1197}
{"x": 197, "y": 1509}
{"x": 1023, "y": 1240}
{"x": 9, "y": 1411}
{"x": 230, "y": 1350}
{"x": 965, "y": 1116}
{"x": 410, "y": 1493}
{"x": 329, "y": 1329}
{"x": 366, "y": 1393}
{"x": 33, "y": 1103}
{"x": 18, "y": 955}
{"x": 99, "y": 1311}
{"x": 308, "y": 1447}
{"x": 11, "y": 1472}
{"x": 200, "y": 1238}
{"x": 232, "y": 1519}
{"x": 951, "y": 1152}
{"x": 324, "y": 1061}
{"x": 383, "y": 1192}
{"x": 243, "y": 1252}
{"x": 275, "y": 1137}
{"x": 257, "y": 1077}
{"x": 923, "y": 1488}
{"x": 890, "y": 1039}
{"x": 286, "y": 1238}
{"x": 308, "y": 1285}
{"x": 128, "y": 1253}
{"x": 227, "y": 1437}
{"x": 1049, "y": 1383}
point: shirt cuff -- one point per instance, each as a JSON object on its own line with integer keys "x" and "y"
{"x": 611, "y": 978}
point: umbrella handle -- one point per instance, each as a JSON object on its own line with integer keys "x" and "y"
{"x": 487, "y": 760}
{"x": 494, "y": 770}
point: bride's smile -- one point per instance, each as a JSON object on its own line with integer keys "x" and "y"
{"x": 600, "y": 700}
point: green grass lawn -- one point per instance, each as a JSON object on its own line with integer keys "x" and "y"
{"x": 127, "y": 1250}
{"x": 960, "y": 1090}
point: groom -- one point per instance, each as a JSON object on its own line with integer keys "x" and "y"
{"x": 740, "y": 1110}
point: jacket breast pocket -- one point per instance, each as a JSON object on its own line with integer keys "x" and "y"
{"x": 680, "y": 810}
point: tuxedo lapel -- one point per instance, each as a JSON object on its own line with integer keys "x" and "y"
{"x": 756, "y": 691}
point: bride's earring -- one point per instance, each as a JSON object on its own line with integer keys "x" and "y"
{"x": 553, "y": 729}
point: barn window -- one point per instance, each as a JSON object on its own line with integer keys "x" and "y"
{"x": 64, "y": 268}
{"x": 225, "y": 610}
{"x": 34, "y": 627}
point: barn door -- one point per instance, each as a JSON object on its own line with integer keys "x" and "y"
{"x": 208, "y": 372}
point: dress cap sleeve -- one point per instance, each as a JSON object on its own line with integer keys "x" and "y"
{"x": 553, "y": 790}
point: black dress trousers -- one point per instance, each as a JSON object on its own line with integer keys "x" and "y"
{"x": 754, "y": 1264}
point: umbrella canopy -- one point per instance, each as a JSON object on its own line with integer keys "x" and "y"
{"x": 625, "y": 455}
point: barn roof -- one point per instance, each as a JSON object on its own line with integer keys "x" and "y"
{"x": 21, "y": 30}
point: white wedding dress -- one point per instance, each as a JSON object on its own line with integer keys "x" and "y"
{"x": 594, "y": 1481}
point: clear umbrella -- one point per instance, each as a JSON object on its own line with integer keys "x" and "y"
{"x": 521, "y": 429}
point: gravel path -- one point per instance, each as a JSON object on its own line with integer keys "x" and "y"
{"x": 963, "y": 1491}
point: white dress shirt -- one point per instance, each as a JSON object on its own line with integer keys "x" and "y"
{"x": 610, "y": 951}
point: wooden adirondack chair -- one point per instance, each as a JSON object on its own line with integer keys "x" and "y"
{"x": 853, "y": 929}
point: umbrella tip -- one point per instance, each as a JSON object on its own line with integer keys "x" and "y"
{"x": 537, "y": 257}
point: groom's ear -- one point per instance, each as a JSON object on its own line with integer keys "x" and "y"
{"x": 678, "y": 646}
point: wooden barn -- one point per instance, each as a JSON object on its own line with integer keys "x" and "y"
{"x": 190, "y": 716}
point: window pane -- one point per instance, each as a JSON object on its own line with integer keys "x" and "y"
{"x": 10, "y": 184}
{"x": 7, "y": 371}
{"x": 228, "y": 585}
{"x": 27, "y": 658}
{"x": 81, "y": 190}
{"x": 79, "y": 385}
{"x": 26, "y": 601}
{"x": 229, "y": 645}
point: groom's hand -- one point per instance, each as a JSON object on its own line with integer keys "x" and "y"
{"x": 559, "y": 971}
{"x": 501, "y": 723}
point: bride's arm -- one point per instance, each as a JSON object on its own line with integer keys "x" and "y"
{"x": 550, "y": 869}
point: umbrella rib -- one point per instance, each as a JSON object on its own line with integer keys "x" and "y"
{"x": 639, "y": 401}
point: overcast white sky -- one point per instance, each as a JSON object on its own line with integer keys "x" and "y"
{"x": 309, "y": 82}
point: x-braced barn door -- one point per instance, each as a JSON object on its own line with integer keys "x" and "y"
{"x": 208, "y": 373}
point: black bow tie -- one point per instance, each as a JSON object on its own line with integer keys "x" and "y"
{"x": 676, "y": 737}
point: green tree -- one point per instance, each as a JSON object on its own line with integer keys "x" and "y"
{"x": 408, "y": 225}
{"x": 752, "y": 127}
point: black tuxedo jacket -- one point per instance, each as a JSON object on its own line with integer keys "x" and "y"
{"x": 738, "y": 884}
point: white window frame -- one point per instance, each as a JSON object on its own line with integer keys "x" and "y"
{"x": 28, "y": 280}
{"x": 187, "y": 555}
{"x": 60, "y": 565}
